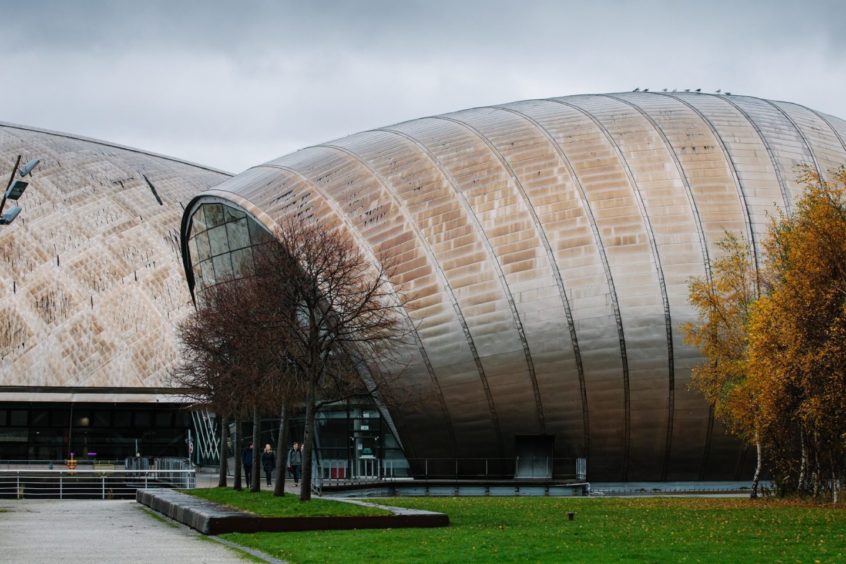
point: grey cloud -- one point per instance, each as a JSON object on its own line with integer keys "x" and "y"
{"x": 235, "y": 83}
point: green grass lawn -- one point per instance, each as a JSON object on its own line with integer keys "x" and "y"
{"x": 536, "y": 530}
{"x": 263, "y": 503}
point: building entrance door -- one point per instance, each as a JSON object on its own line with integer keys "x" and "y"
{"x": 367, "y": 435}
{"x": 534, "y": 456}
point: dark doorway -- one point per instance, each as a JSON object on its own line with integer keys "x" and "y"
{"x": 534, "y": 456}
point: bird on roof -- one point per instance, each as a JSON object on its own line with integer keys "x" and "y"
{"x": 719, "y": 90}
{"x": 646, "y": 89}
{"x": 687, "y": 89}
{"x": 636, "y": 90}
{"x": 699, "y": 90}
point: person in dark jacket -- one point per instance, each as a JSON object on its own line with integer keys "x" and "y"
{"x": 295, "y": 462}
{"x": 247, "y": 461}
{"x": 268, "y": 462}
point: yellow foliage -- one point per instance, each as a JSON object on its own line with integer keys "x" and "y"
{"x": 723, "y": 300}
{"x": 797, "y": 333}
{"x": 776, "y": 363}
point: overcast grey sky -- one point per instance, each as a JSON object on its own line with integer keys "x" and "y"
{"x": 232, "y": 84}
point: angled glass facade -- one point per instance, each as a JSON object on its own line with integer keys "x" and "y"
{"x": 352, "y": 437}
{"x": 221, "y": 243}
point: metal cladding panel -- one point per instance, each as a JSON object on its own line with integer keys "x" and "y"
{"x": 787, "y": 143}
{"x": 827, "y": 147}
{"x": 546, "y": 247}
{"x": 90, "y": 282}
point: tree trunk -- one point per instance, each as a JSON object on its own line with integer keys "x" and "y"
{"x": 221, "y": 477}
{"x": 308, "y": 440}
{"x": 803, "y": 464}
{"x": 255, "y": 477}
{"x": 281, "y": 452}
{"x": 236, "y": 447}
{"x": 757, "y": 477}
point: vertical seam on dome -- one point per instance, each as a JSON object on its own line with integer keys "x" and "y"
{"x": 785, "y": 193}
{"x": 431, "y": 255}
{"x": 702, "y": 246}
{"x": 829, "y": 124}
{"x": 741, "y": 192}
{"x": 744, "y": 206}
{"x": 688, "y": 190}
{"x": 515, "y": 314}
{"x": 489, "y": 249}
{"x": 798, "y": 130}
{"x": 615, "y": 304}
{"x": 562, "y": 290}
{"x": 538, "y": 230}
{"x": 656, "y": 258}
{"x": 369, "y": 249}
{"x": 825, "y": 120}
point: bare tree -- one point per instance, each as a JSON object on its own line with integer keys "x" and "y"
{"x": 282, "y": 449}
{"x": 338, "y": 313}
{"x": 313, "y": 317}
{"x": 225, "y": 359}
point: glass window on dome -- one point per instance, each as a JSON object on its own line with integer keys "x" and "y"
{"x": 258, "y": 233}
{"x": 218, "y": 241}
{"x": 192, "y": 250}
{"x": 222, "y": 268}
{"x": 242, "y": 262}
{"x": 214, "y": 215}
{"x": 203, "y": 250}
{"x": 198, "y": 220}
{"x": 239, "y": 236}
{"x": 208, "y": 273}
{"x": 231, "y": 214}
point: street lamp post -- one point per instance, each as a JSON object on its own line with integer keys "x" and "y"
{"x": 15, "y": 189}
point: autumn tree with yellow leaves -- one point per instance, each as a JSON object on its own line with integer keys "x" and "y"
{"x": 723, "y": 299}
{"x": 797, "y": 340}
{"x": 775, "y": 364}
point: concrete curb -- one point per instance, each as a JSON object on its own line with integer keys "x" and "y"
{"x": 213, "y": 519}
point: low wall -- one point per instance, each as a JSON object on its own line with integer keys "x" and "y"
{"x": 213, "y": 519}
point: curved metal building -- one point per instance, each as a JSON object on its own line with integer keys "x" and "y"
{"x": 547, "y": 246}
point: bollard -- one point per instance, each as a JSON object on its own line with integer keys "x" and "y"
{"x": 571, "y": 515}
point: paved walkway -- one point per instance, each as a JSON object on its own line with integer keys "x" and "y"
{"x": 97, "y": 531}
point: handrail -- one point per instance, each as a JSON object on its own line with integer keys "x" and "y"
{"x": 89, "y": 483}
{"x": 93, "y": 471}
{"x": 357, "y": 471}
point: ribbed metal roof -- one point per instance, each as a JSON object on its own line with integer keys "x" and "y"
{"x": 547, "y": 246}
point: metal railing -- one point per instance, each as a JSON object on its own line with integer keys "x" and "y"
{"x": 50, "y": 464}
{"x": 526, "y": 467}
{"x": 338, "y": 472}
{"x": 88, "y": 484}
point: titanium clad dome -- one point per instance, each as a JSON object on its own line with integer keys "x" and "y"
{"x": 547, "y": 246}
{"x": 90, "y": 282}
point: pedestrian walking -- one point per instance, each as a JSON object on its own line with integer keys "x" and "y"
{"x": 268, "y": 462}
{"x": 247, "y": 462}
{"x": 295, "y": 462}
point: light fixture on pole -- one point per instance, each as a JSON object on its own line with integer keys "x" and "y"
{"x": 15, "y": 189}
{"x": 28, "y": 167}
